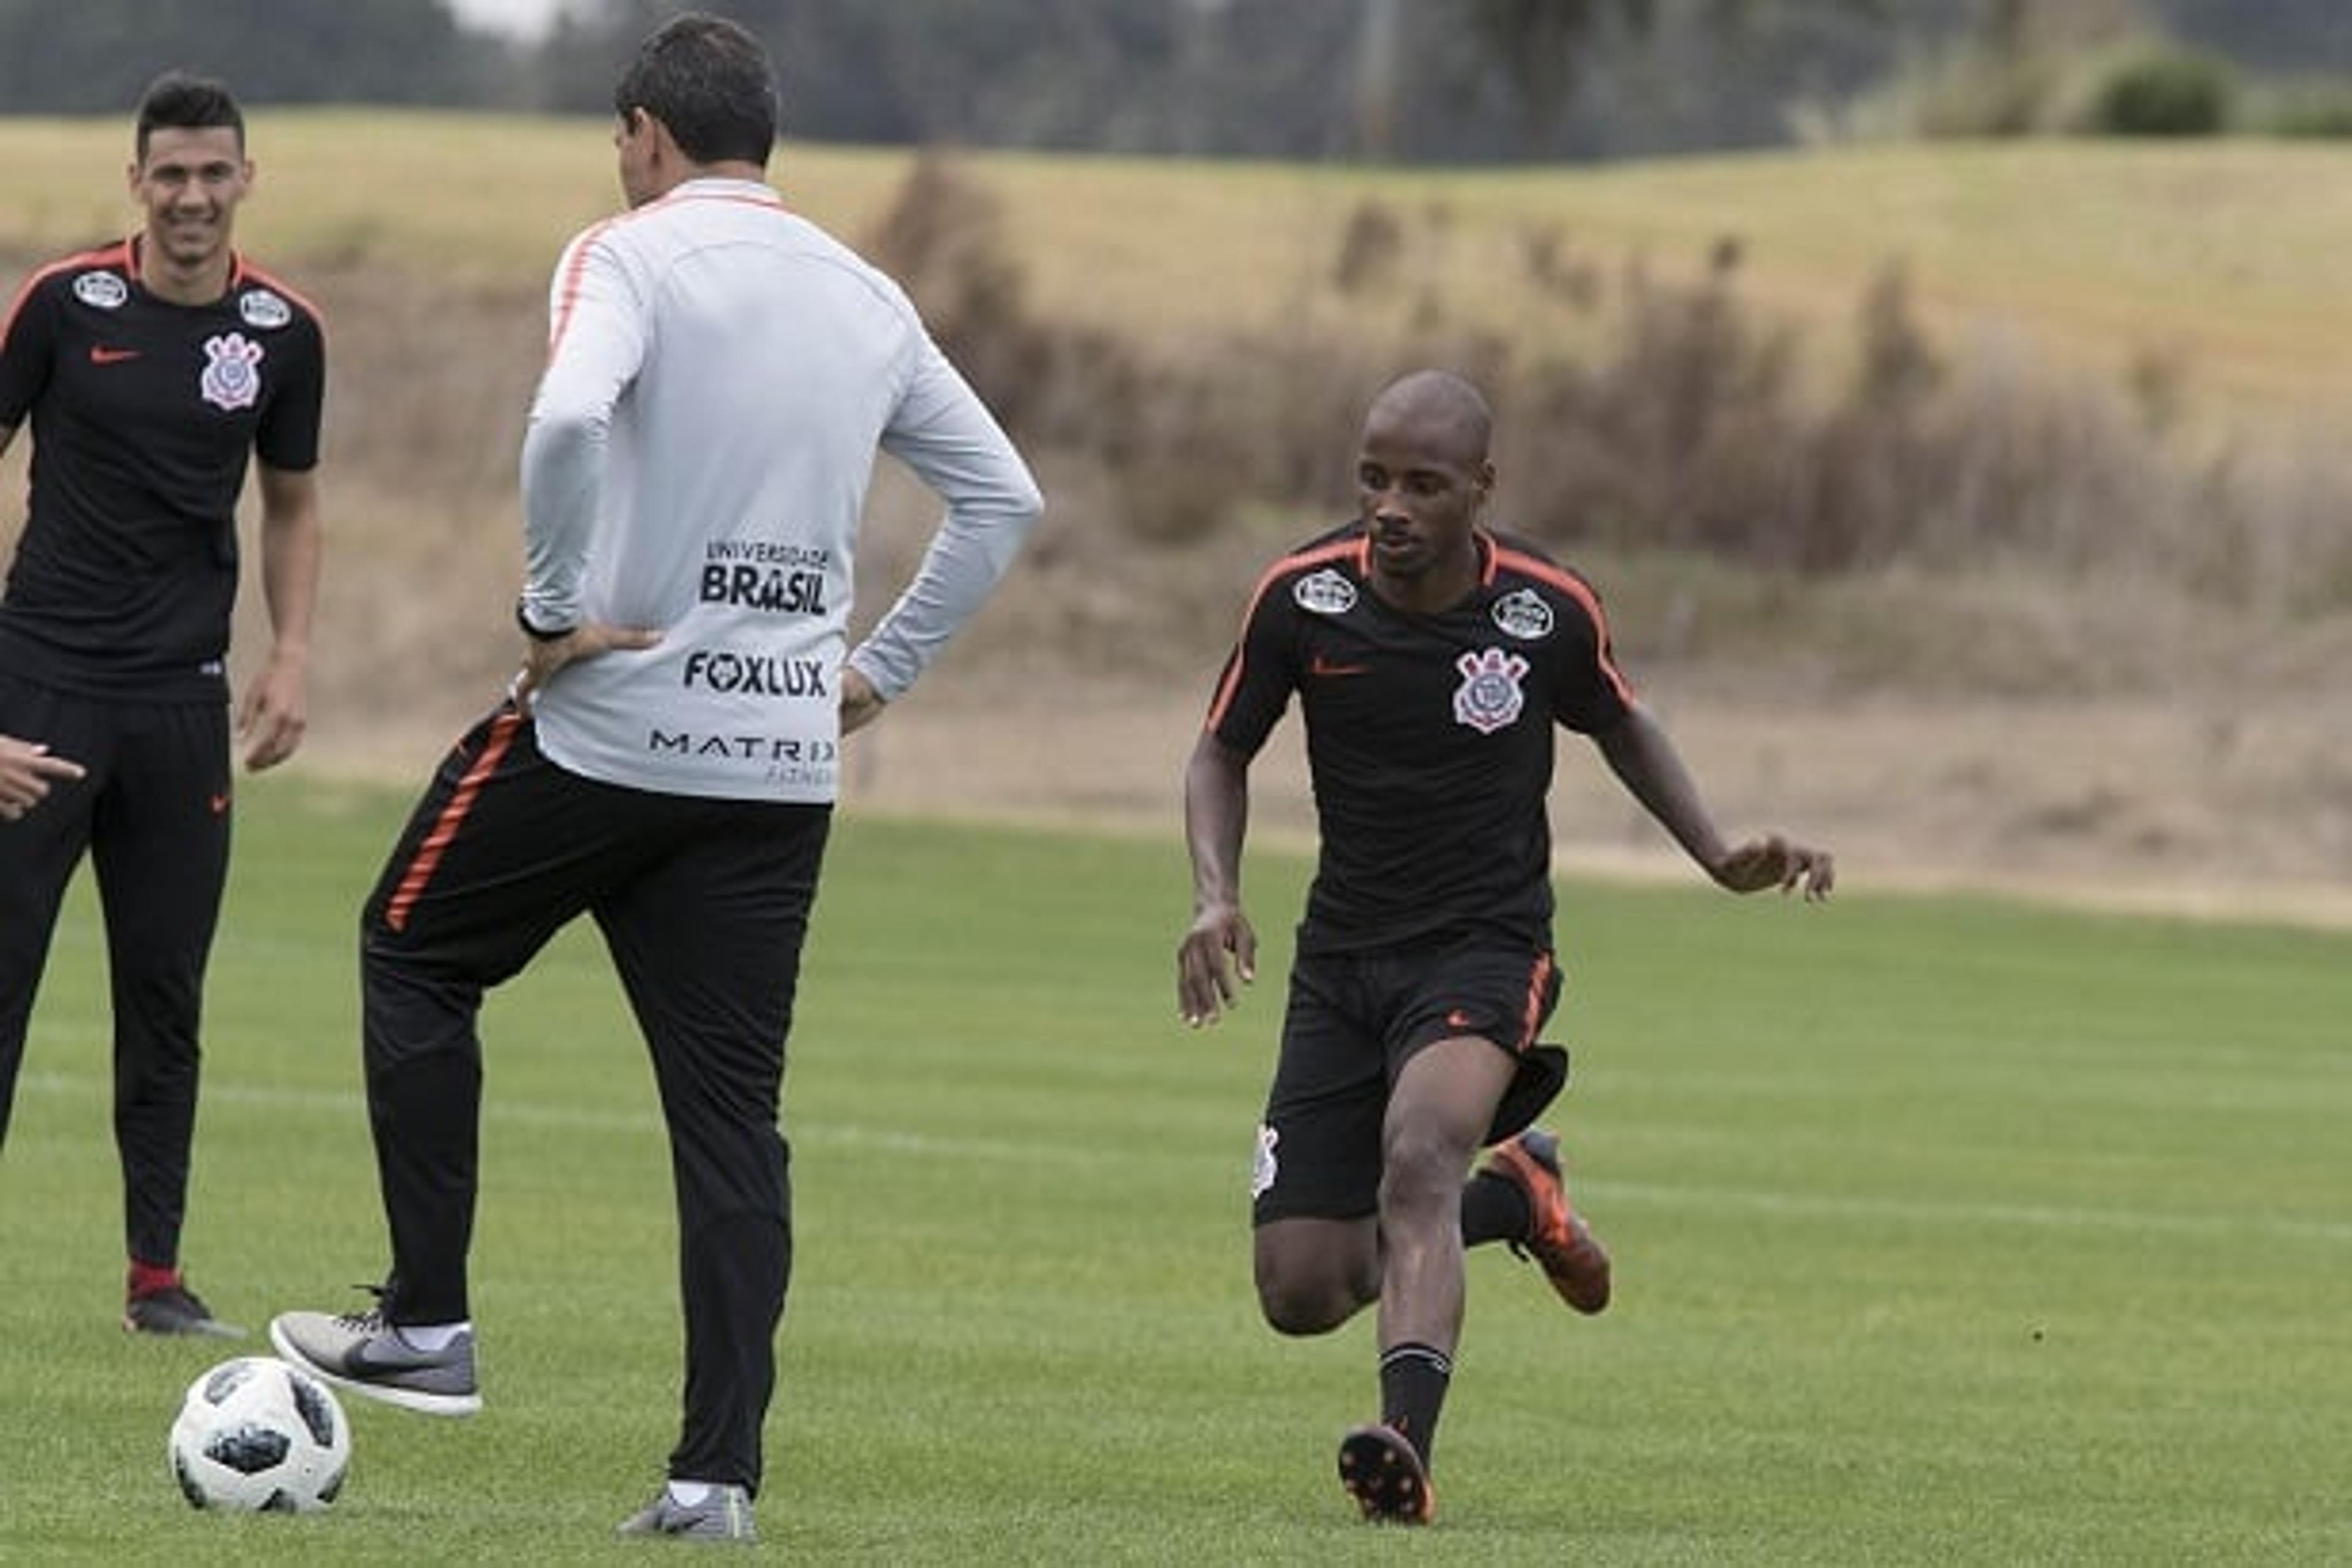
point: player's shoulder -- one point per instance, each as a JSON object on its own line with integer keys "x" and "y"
{"x": 95, "y": 281}
{"x": 746, "y": 217}
{"x": 1323, "y": 573}
{"x": 265, "y": 303}
{"x": 702, "y": 213}
{"x": 98, "y": 277}
{"x": 1337, "y": 549}
{"x": 1521, "y": 559}
{"x": 1523, "y": 573}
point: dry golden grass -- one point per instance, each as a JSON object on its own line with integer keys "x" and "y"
{"x": 2216, "y": 259}
{"x": 469, "y": 198}
{"x": 2219, "y": 254}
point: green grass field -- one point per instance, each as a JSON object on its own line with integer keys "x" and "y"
{"x": 1947, "y": 1231}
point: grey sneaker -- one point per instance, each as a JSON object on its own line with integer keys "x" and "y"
{"x": 724, "y": 1515}
{"x": 361, "y": 1351}
{"x": 175, "y": 1309}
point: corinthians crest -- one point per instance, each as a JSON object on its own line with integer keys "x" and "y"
{"x": 232, "y": 376}
{"x": 1489, "y": 698}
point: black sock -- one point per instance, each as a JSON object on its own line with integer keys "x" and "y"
{"x": 1494, "y": 1208}
{"x": 1413, "y": 1389}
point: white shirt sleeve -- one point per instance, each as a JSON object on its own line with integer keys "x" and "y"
{"x": 595, "y": 344}
{"x": 946, "y": 435}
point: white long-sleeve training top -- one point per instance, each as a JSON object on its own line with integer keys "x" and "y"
{"x": 720, "y": 374}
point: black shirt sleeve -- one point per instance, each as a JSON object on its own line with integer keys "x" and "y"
{"x": 25, "y": 348}
{"x": 1260, "y": 673}
{"x": 287, "y": 437}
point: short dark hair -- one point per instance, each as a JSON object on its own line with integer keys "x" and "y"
{"x": 708, "y": 80}
{"x": 177, "y": 101}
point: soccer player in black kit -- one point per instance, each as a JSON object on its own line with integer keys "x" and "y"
{"x": 152, "y": 369}
{"x": 1430, "y": 658}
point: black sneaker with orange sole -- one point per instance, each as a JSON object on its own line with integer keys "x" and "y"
{"x": 1386, "y": 1477}
{"x": 1560, "y": 1241}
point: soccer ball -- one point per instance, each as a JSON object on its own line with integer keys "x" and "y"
{"x": 258, "y": 1435}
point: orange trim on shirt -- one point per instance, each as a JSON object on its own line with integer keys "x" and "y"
{"x": 1334, "y": 551}
{"x": 248, "y": 273}
{"x": 569, "y": 297}
{"x": 503, "y": 731}
{"x": 118, "y": 252}
{"x": 1531, "y": 1019}
{"x": 1575, "y": 588}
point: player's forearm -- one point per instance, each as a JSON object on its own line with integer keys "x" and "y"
{"x": 1216, "y": 821}
{"x": 293, "y": 545}
{"x": 973, "y": 549}
{"x": 955, "y": 446}
{"x": 1644, "y": 760}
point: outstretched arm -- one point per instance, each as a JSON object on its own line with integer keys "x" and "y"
{"x": 1219, "y": 953}
{"x": 1644, "y": 758}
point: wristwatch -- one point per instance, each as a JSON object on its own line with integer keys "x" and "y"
{"x": 537, "y": 634}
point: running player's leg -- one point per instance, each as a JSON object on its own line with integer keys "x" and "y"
{"x": 1445, "y": 1096}
{"x": 159, "y": 844}
{"x": 1520, "y": 1195}
{"x": 1444, "y": 1099}
{"x": 1461, "y": 1021}
{"x": 708, "y": 941}
{"x": 38, "y": 852}
{"x": 1315, "y": 1184}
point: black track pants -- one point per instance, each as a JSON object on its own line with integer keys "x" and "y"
{"x": 153, "y": 815}
{"x": 704, "y": 905}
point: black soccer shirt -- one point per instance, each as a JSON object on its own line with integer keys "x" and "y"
{"x": 144, "y": 414}
{"x": 1429, "y": 738}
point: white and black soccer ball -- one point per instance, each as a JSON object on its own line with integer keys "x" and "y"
{"x": 260, "y": 1435}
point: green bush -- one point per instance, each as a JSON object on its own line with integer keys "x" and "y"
{"x": 2319, "y": 108}
{"x": 2172, "y": 92}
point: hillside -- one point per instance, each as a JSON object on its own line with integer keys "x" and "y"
{"x": 2091, "y": 254}
{"x": 2001, "y": 718}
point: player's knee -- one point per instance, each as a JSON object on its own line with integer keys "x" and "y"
{"x": 1301, "y": 1302}
{"x": 1421, "y": 1168}
{"x": 1290, "y": 1310}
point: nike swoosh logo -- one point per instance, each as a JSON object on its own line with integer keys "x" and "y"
{"x": 219, "y": 804}
{"x": 1320, "y": 666}
{"x": 100, "y": 355}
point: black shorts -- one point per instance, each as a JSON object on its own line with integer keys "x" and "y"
{"x": 1353, "y": 1020}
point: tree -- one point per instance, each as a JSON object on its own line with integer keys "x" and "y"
{"x": 1544, "y": 48}
{"x": 1542, "y": 45}
{"x": 96, "y": 55}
